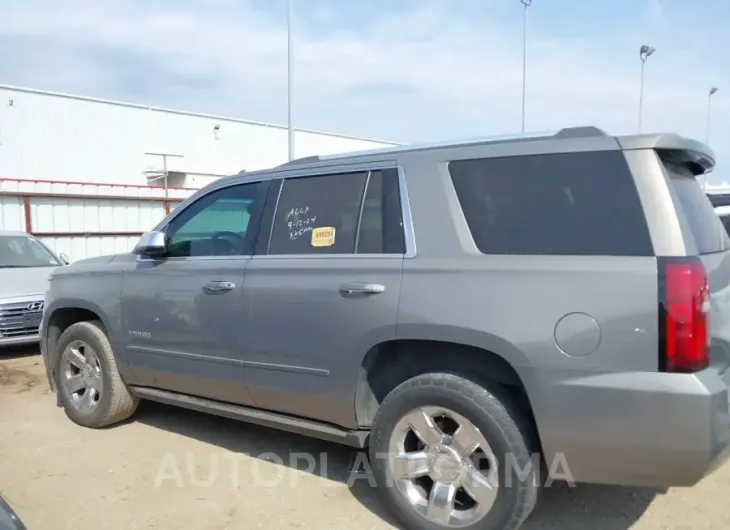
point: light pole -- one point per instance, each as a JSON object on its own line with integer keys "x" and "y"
{"x": 290, "y": 130}
{"x": 707, "y": 130}
{"x": 709, "y": 110}
{"x": 526, "y": 3}
{"x": 644, "y": 53}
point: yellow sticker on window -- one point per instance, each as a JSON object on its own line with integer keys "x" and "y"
{"x": 323, "y": 236}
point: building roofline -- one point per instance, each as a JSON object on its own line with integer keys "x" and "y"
{"x": 182, "y": 112}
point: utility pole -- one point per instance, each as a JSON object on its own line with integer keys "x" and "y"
{"x": 644, "y": 53}
{"x": 289, "y": 80}
{"x": 711, "y": 93}
{"x": 526, "y": 3}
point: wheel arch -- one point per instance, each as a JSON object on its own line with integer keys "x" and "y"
{"x": 61, "y": 316}
{"x": 487, "y": 358}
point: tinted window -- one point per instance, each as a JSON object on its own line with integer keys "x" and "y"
{"x": 705, "y": 227}
{"x": 318, "y": 215}
{"x": 559, "y": 204}
{"x": 216, "y": 225}
{"x": 381, "y": 224}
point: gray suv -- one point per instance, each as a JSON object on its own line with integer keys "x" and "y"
{"x": 474, "y": 313}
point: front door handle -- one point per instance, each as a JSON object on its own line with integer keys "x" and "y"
{"x": 361, "y": 289}
{"x": 218, "y": 287}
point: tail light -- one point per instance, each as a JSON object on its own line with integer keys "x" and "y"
{"x": 684, "y": 315}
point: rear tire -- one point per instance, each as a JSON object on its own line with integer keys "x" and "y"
{"x": 90, "y": 389}
{"x": 470, "y": 464}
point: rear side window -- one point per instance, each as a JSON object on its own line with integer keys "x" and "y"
{"x": 580, "y": 204}
{"x": 355, "y": 213}
{"x": 318, "y": 215}
{"x": 700, "y": 218}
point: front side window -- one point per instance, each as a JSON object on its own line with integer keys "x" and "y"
{"x": 353, "y": 213}
{"x": 216, "y": 225}
{"x": 580, "y": 204}
{"x": 19, "y": 251}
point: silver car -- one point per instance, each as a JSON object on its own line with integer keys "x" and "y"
{"x": 25, "y": 264}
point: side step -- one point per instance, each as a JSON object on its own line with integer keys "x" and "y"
{"x": 282, "y": 422}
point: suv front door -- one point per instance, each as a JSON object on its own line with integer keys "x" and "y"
{"x": 321, "y": 290}
{"x": 181, "y": 313}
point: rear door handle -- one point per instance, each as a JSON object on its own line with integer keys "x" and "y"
{"x": 218, "y": 287}
{"x": 361, "y": 289}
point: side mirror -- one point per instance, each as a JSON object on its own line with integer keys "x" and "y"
{"x": 150, "y": 244}
{"x": 64, "y": 258}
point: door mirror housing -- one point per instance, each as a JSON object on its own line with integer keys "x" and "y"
{"x": 150, "y": 244}
{"x": 64, "y": 258}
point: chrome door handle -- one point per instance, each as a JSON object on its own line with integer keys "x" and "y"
{"x": 218, "y": 287}
{"x": 361, "y": 289}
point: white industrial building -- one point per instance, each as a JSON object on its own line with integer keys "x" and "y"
{"x": 88, "y": 175}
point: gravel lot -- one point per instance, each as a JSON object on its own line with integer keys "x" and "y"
{"x": 171, "y": 468}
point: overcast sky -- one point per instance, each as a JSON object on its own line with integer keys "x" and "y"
{"x": 400, "y": 70}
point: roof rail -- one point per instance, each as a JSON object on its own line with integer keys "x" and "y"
{"x": 580, "y": 132}
{"x": 303, "y": 160}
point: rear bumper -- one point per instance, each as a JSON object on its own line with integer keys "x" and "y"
{"x": 633, "y": 429}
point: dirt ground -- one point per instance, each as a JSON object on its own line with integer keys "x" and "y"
{"x": 171, "y": 468}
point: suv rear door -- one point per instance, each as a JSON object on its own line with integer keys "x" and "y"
{"x": 322, "y": 289}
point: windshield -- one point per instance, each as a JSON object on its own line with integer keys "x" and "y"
{"x": 25, "y": 251}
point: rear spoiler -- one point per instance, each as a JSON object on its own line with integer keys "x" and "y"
{"x": 673, "y": 149}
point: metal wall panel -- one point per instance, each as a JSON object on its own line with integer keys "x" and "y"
{"x": 35, "y": 186}
{"x": 12, "y": 215}
{"x": 61, "y": 214}
{"x": 64, "y": 137}
{"x": 77, "y": 248}
{"x": 84, "y": 220}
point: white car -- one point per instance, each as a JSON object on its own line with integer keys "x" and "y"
{"x": 721, "y": 203}
{"x": 724, "y": 213}
{"x": 25, "y": 264}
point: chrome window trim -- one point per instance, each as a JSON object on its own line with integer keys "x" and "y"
{"x": 405, "y": 207}
{"x": 238, "y": 257}
{"x": 273, "y": 215}
{"x": 406, "y": 215}
{"x": 362, "y": 208}
{"x": 328, "y": 256}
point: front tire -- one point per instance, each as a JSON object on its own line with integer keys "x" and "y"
{"x": 447, "y": 453}
{"x": 91, "y": 391}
